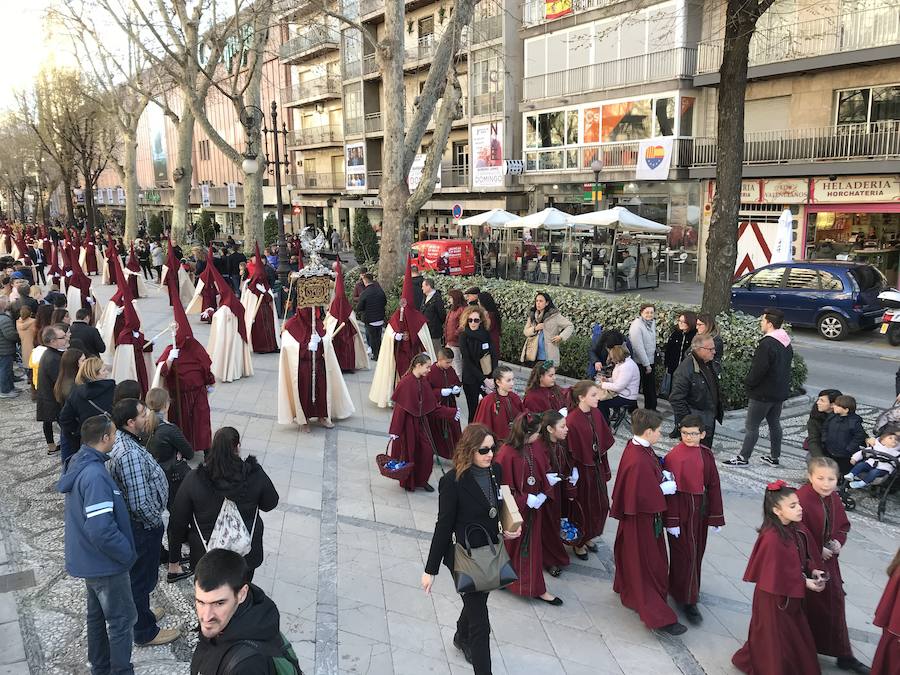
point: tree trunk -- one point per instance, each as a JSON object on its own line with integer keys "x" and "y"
{"x": 184, "y": 155}
{"x": 67, "y": 198}
{"x": 254, "y": 228}
{"x": 89, "y": 200}
{"x": 131, "y": 185}
{"x": 721, "y": 246}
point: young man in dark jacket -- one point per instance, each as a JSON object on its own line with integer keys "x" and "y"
{"x": 435, "y": 313}
{"x": 370, "y": 307}
{"x": 768, "y": 386}
{"x": 84, "y": 336}
{"x": 240, "y": 631}
{"x": 99, "y": 548}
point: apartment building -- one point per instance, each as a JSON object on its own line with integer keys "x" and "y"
{"x": 822, "y": 129}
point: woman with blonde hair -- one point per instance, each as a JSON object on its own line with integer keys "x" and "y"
{"x": 165, "y": 441}
{"x": 91, "y": 395}
{"x": 476, "y": 350}
{"x": 65, "y": 381}
{"x": 25, "y": 329}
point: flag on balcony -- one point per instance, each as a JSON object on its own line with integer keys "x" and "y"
{"x": 554, "y": 9}
{"x": 654, "y": 158}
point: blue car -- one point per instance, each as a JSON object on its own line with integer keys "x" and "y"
{"x": 834, "y": 297}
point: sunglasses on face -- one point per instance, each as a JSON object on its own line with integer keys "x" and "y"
{"x": 484, "y": 451}
{"x": 474, "y": 320}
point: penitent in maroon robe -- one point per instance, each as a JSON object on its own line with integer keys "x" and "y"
{"x": 826, "y": 519}
{"x": 589, "y": 440}
{"x": 542, "y": 399}
{"x": 134, "y": 266}
{"x": 497, "y": 413}
{"x": 779, "y": 641}
{"x": 526, "y": 551}
{"x": 554, "y": 459}
{"x": 262, "y": 332}
{"x": 90, "y": 257}
{"x": 695, "y": 508}
{"x": 299, "y": 326}
{"x": 186, "y": 380}
{"x": 642, "y": 568}
{"x": 444, "y": 432}
{"x": 414, "y": 403}
{"x": 887, "y": 617}
{"x": 344, "y": 340}
{"x": 409, "y": 323}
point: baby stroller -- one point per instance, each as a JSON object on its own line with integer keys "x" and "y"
{"x": 881, "y": 488}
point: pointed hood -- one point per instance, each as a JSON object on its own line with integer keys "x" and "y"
{"x": 183, "y": 331}
{"x": 227, "y": 296}
{"x": 407, "y": 313}
{"x": 171, "y": 274}
{"x": 340, "y": 308}
{"x": 118, "y": 277}
{"x": 111, "y": 249}
{"x": 132, "y": 262}
{"x": 21, "y": 245}
{"x": 130, "y": 321}
{"x": 259, "y": 273}
{"x": 407, "y": 292}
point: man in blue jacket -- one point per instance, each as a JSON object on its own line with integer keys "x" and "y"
{"x": 100, "y": 548}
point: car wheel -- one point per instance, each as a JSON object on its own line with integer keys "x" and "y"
{"x": 893, "y": 334}
{"x": 832, "y": 326}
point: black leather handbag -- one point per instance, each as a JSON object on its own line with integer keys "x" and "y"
{"x": 485, "y": 568}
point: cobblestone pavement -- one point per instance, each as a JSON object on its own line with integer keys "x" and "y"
{"x": 345, "y": 550}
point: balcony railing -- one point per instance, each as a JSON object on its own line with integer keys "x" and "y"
{"x": 352, "y": 69}
{"x": 369, "y": 64}
{"x": 333, "y": 181}
{"x": 847, "y": 32}
{"x": 454, "y": 175}
{"x": 534, "y": 11}
{"x": 619, "y": 155}
{"x": 877, "y": 141}
{"x": 353, "y": 126}
{"x": 423, "y": 49}
{"x": 314, "y": 39}
{"x": 329, "y": 133}
{"x": 373, "y": 123}
{"x": 327, "y": 86}
{"x": 489, "y": 28}
{"x": 670, "y": 64}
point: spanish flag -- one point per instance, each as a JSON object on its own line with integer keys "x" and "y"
{"x": 554, "y": 9}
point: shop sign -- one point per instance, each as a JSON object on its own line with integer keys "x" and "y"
{"x": 785, "y": 191}
{"x": 856, "y": 189}
{"x": 750, "y": 192}
{"x": 152, "y": 196}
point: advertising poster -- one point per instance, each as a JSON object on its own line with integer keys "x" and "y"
{"x": 121, "y": 196}
{"x": 654, "y": 158}
{"x": 591, "y": 128}
{"x": 232, "y": 196}
{"x": 415, "y": 174}
{"x": 355, "y": 160}
{"x": 109, "y": 196}
{"x": 156, "y": 120}
{"x": 487, "y": 150}
{"x": 204, "y": 195}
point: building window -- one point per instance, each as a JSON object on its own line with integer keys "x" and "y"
{"x": 204, "y": 150}
{"x": 868, "y": 105}
{"x": 426, "y": 27}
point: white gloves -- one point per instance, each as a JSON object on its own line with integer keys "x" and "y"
{"x": 119, "y": 310}
{"x": 260, "y": 288}
{"x": 393, "y": 437}
{"x": 536, "y": 501}
{"x": 668, "y": 475}
{"x": 398, "y": 337}
{"x": 564, "y": 412}
{"x": 173, "y": 354}
{"x": 553, "y": 478}
{"x": 90, "y": 300}
{"x": 69, "y": 273}
{"x": 314, "y": 341}
{"x": 457, "y": 390}
{"x": 210, "y": 389}
{"x": 716, "y": 528}
{"x": 135, "y": 333}
{"x": 674, "y": 531}
{"x": 446, "y": 391}
{"x": 668, "y": 487}
{"x": 573, "y": 479}
{"x": 456, "y": 416}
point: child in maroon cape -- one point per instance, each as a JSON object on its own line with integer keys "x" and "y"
{"x": 551, "y": 452}
{"x": 784, "y": 564}
{"x": 523, "y": 473}
{"x": 410, "y": 429}
{"x": 446, "y": 387}
{"x": 639, "y": 504}
{"x": 887, "y": 617}
{"x": 690, "y": 512}
{"x": 589, "y": 440}
{"x": 825, "y": 518}
{"x": 498, "y": 409}
{"x": 542, "y": 393}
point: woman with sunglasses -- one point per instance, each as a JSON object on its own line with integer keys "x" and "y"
{"x": 469, "y": 496}
{"x": 476, "y": 350}
{"x": 528, "y": 483}
{"x": 552, "y": 453}
{"x": 500, "y": 408}
{"x": 589, "y": 441}
{"x": 542, "y": 393}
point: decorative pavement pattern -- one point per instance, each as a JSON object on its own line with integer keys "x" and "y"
{"x": 345, "y": 549}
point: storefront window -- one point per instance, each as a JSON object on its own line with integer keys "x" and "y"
{"x": 572, "y": 127}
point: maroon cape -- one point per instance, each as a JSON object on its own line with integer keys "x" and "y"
{"x": 779, "y": 641}
{"x": 262, "y": 332}
{"x": 90, "y": 257}
{"x": 526, "y": 551}
{"x": 589, "y": 440}
{"x": 826, "y": 519}
{"x": 444, "y": 432}
{"x": 300, "y": 326}
{"x": 414, "y": 403}
{"x": 133, "y": 265}
{"x": 409, "y": 323}
{"x": 642, "y": 569}
{"x": 887, "y": 617}
{"x": 344, "y": 341}
{"x": 542, "y": 399}
{"x": 187, "y": 379}
{"x": 554, "y": 460}
{"x": 695, "y": 508}
{"x": 498, "y": 412}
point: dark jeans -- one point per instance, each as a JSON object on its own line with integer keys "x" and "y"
{"x": 6, "y": 374}
{"x": 65, "y": 447}
{"x": 48, "y": 432}
{"x": 615, "y": 402}
{"x": 867, "y": 473}
{"x": 474, "y": 629}
{"x": 41, "y": 274}
{"x": 757, "y": 411}
{"x": 373, "y": 336}
{"x": 158, "y": 269}
{"x": 144, "y": 574}
{"x": 146, "y": 269}
{"x": 648, "y": 387}
{"x": 473, "y": 393}
{"x": 110, "y": 624}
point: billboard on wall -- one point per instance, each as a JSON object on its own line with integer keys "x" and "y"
{"x": 355, "y": 161}
{"x": 487, "y": 150}
{"x": 156, "y": 121}
{"x": 415, "y": 174}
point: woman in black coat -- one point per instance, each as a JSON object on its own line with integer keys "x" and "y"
{"x": 165, "y": 441}
{"x": 679, "y": 342}
{"x": 471, "y": 499}
{"x": 56, "y": 341}
{"x": 608, "y": 338}
{"x": 474, "y": 343}
{"x": 204, "y": 490}
{"x": 91, "y": 395}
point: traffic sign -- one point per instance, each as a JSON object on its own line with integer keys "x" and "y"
{"x": 457, "y": 211}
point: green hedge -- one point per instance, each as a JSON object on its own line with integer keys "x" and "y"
{"x": 740, "y": 332}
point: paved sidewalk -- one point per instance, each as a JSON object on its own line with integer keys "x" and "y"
{"x": 345, "y": 551}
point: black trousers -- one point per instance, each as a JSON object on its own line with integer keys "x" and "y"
{"x": 613, "y": 403}
{"x": 474, "y": 630}
{"x": 373, "y": 336}
{"x": 158, "y": 269}
{"x": 41, "y": 275}
{"x": 146, "y": 269}
{"x": 648, "y": 387}
{"x": 473, "y": 393}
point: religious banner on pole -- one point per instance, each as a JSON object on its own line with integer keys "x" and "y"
{"x": 232, "y": 196}
{"x": 204, "y": 195}
{"x": 121, "y": 196}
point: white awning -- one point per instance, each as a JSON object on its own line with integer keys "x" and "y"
{"x": 621, "y": 217}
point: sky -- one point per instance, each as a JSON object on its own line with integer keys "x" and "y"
{"x": 22, "y": 48}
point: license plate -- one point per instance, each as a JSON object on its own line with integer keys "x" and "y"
{"x": 884, "y": 328}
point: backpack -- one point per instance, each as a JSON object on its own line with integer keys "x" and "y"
{"x": 229, "y": 532}
{"x": 284, "y": 659}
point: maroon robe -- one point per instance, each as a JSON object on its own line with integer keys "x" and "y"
{"x": 414, "y": 403}
{"x": 554, "y": 460}
{"x": 262, "y": 332}
{"x": 887, "y": 617}
{"x": 541, "y": 399}
{"x": 135, "y": 338}
{"x": 526, "y": 551}
{"x": 133, "y": 265}
{"x": 589, "y": 440}
{"x": 344, "y": 340}
{"x": 90, "y": 257}
{"x": 410, "y": 346}
{"x": 494, "y": 332}
{"x": 695, "y": 508}
{"x": 642, "y": 568}
{"x": 498, "y": 412}
{"x": 779, "y": 641}
{"x": 299, "y": 326}
{"x": 826, "y": 519}
{"x": 186, "y": 380}
{"x": 444, "y": 432}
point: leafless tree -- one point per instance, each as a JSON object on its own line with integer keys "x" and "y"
{"x": 19, "y": 162}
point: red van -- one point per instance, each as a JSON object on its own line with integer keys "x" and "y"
{"x": 429, "y": 255}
